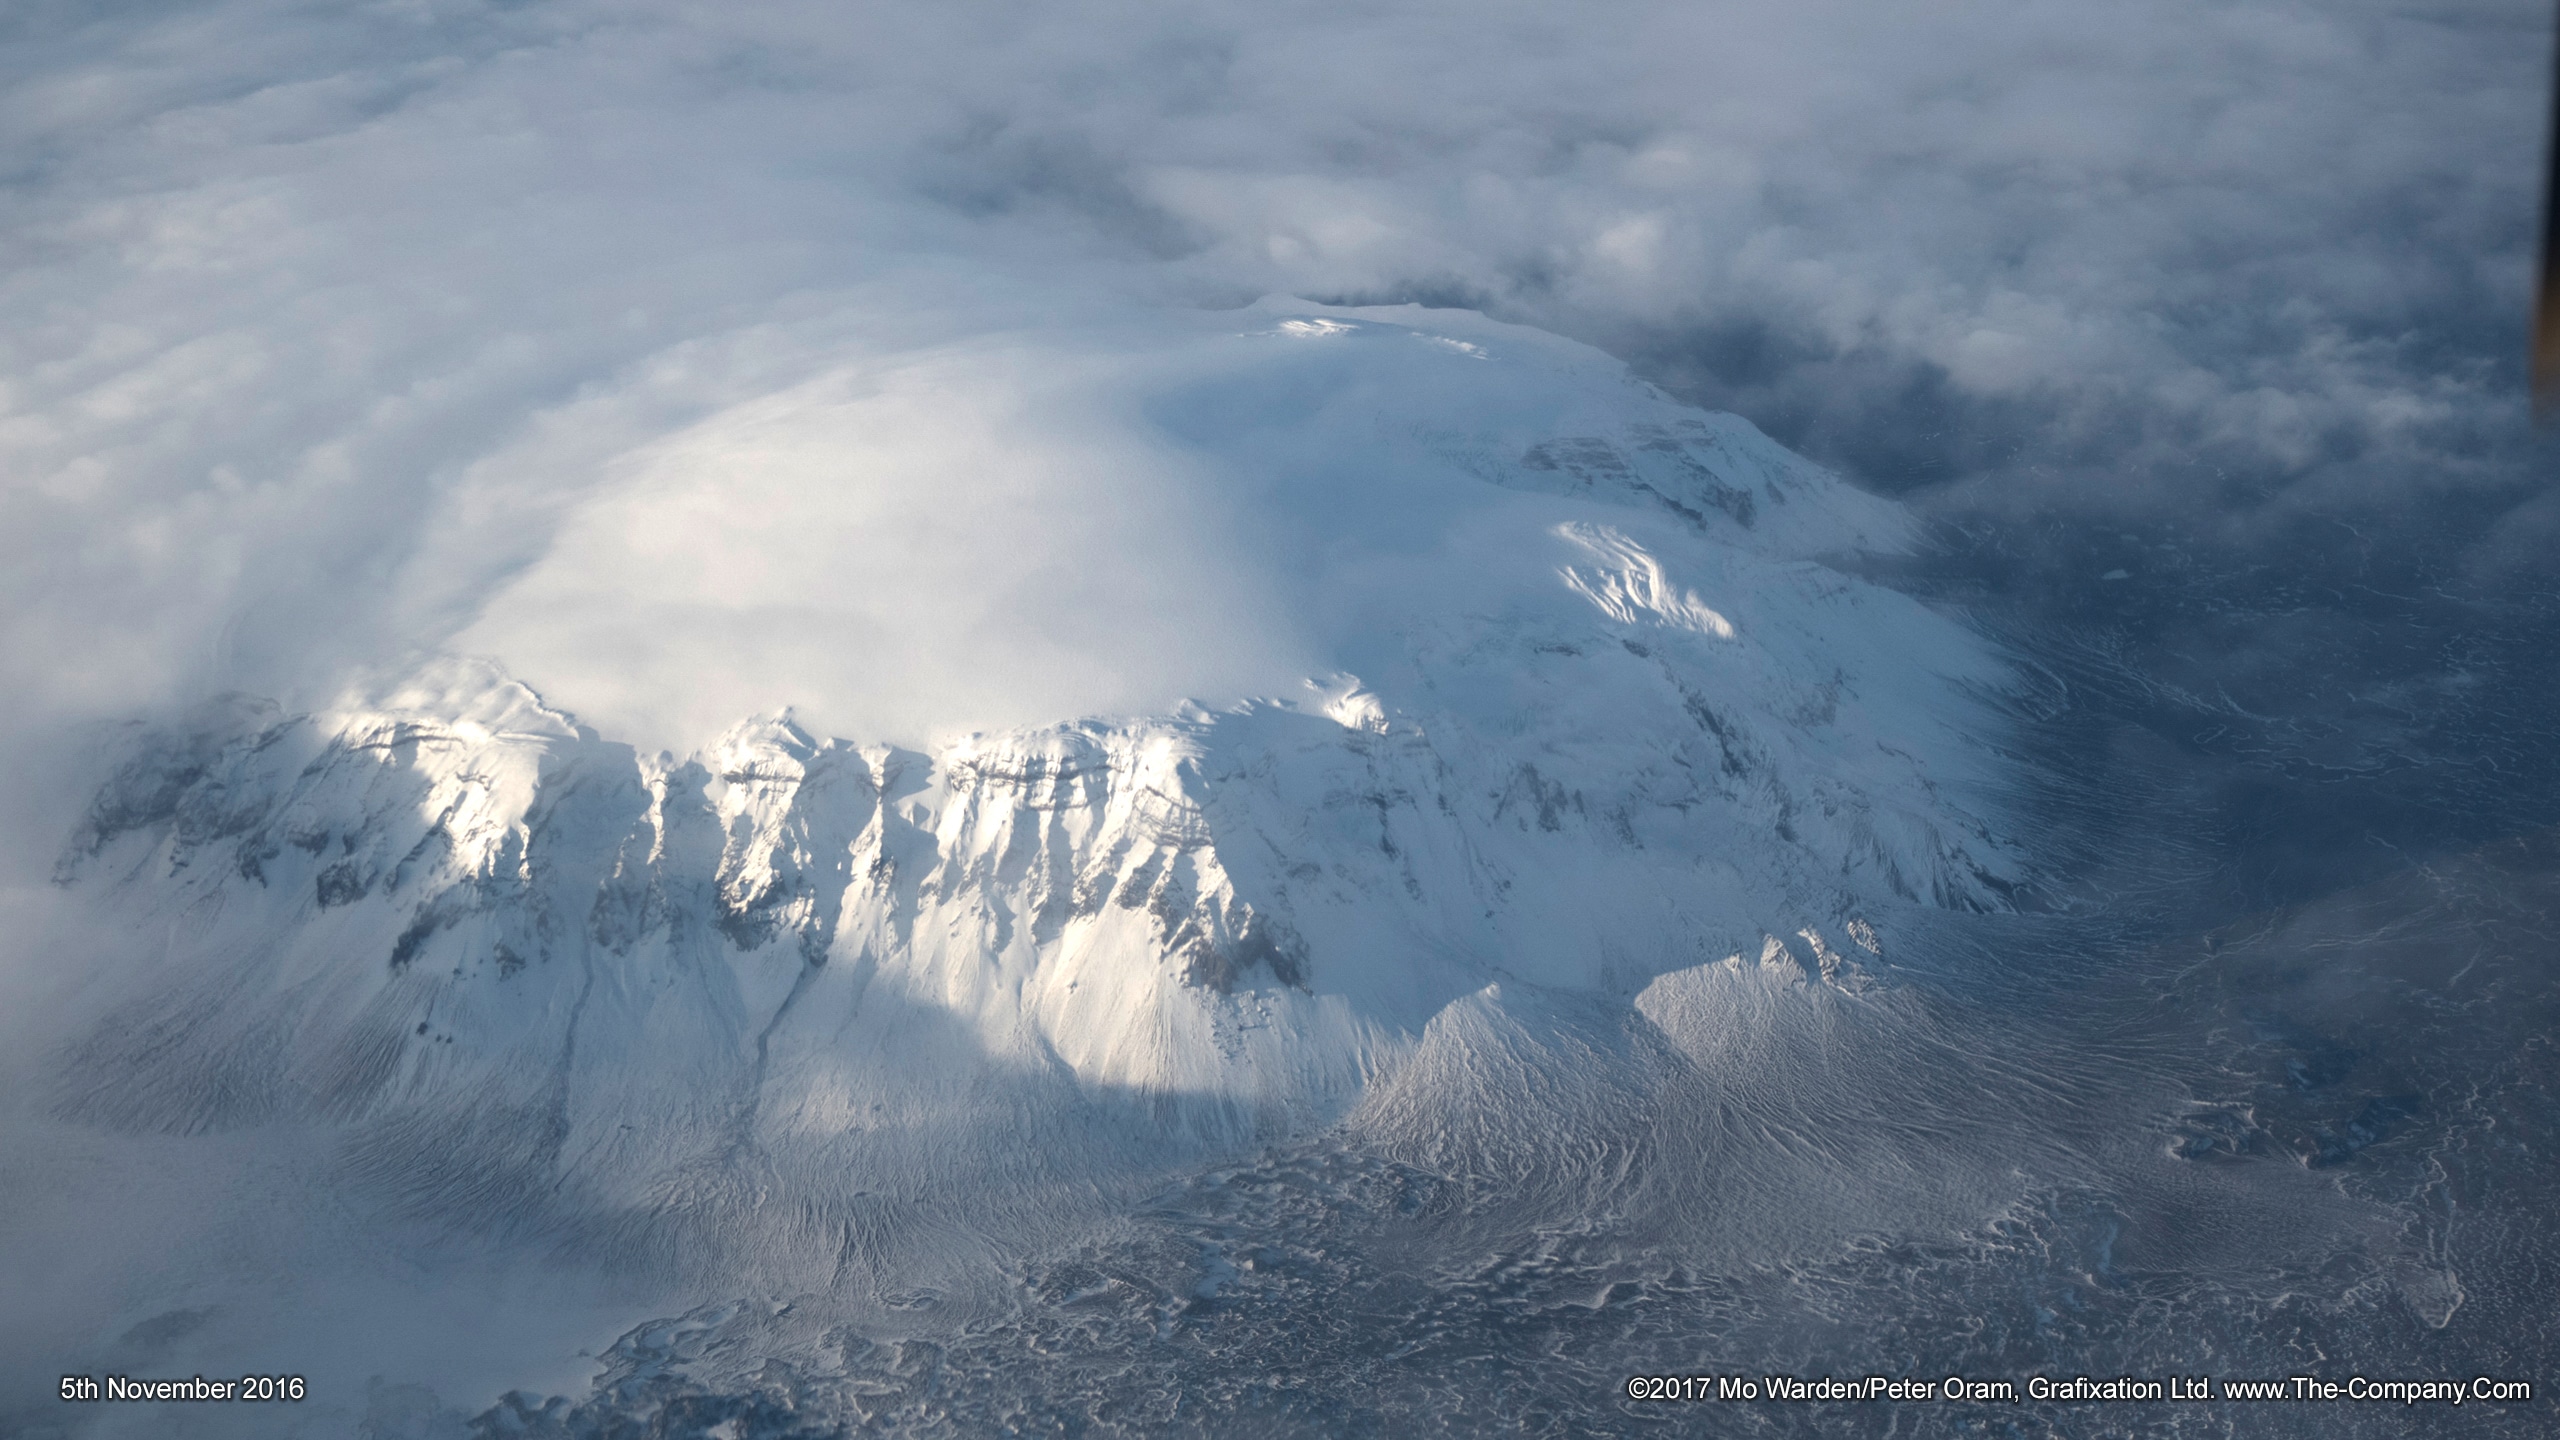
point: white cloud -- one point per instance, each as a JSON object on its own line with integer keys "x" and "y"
{"x": 315, "y": 327}
{"x": 964, "y": 539}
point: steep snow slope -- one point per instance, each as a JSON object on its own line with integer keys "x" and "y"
{"x": 1587, "y": 711}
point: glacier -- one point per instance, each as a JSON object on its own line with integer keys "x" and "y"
{"x": 1596, "y": 755}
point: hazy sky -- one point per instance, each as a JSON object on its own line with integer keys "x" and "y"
{"x": 319, "y": 323}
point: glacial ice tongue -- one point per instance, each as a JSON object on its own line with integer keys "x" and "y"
{"x": 1576, "y": 705}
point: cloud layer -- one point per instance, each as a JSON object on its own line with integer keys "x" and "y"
{"x": 318, "y": 324}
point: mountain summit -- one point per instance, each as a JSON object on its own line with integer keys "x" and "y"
{"x": 1601, "y": 717}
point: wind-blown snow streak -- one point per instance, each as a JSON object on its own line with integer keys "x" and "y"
{"x": 1607, "y": 723}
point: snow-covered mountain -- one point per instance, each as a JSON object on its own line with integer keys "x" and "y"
{"x": 1608, "y": 719}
